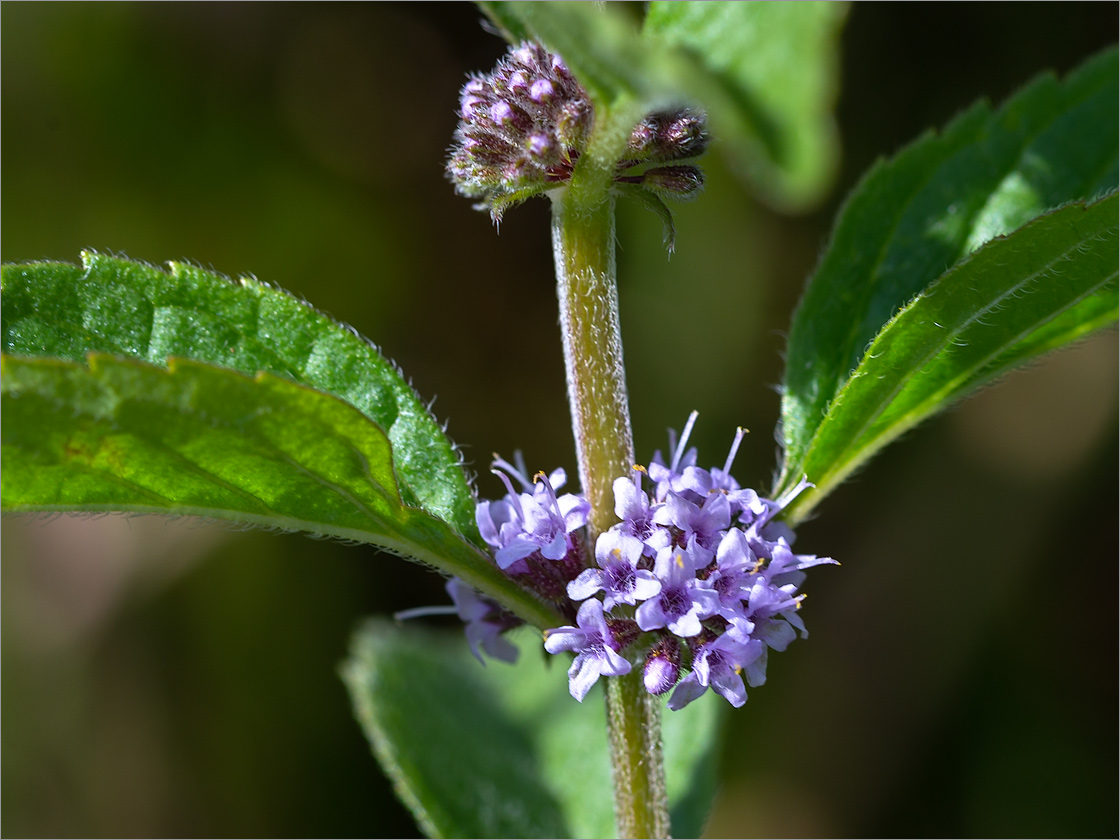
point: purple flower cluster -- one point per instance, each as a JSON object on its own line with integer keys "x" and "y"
{"x": 524, "y": 125}
{"x": 696, "y": 583}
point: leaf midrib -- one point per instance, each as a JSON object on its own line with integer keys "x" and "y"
{"x": 950, "y": 335}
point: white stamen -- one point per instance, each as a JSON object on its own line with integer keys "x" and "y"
{"x": 739, "y": 432}
{"x": 684, "y": 440}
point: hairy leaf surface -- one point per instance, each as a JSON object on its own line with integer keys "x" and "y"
{"x": 126, "y": 308}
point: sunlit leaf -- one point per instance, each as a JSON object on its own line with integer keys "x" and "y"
{"x": 915, "y": 216}
{"x": 126, "y": 308}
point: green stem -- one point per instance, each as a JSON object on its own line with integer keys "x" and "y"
{"x": 641, "y": 805}
{"x": 583, "y": 234}
{"x": 583, "y": 245}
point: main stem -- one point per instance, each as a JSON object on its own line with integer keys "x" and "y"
{"x": 583, "y": 246}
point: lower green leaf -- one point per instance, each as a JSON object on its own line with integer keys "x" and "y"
{"x": 197, "y": 440}
{"x": 505, "y": 751}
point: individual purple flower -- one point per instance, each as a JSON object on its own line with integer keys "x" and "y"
{"x": 681, "y": 604}
{"x": 594, "y": 645}
{"x": 522, "y": 524}
{"x": 618, "y": 574}
{"x": 717, "y": 664}
{"x": 706, "y": 522}
{"x": 632, "y": 506}
{"x": 736, "y": 564}
{"x": 485, "y": 622}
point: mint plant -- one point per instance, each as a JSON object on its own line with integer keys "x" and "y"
{"x": 972, "y": 251}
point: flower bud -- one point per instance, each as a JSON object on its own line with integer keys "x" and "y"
{"x": 675, "y": 181}
{"x": 668, "y": 136}
{"x": 663, "y": 666}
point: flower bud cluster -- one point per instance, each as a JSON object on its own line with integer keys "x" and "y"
{"x": 524, "y": 125}
{"x": 695, "y": 584}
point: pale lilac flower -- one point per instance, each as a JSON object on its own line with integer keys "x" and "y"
{"x": 594, "y": 645}
{"x": 484, "y": 622}
{"x": 618, "y": 574}
{"x": 632, "y": 506}
{"x": 522, "y": 524}
{"x": 706, "y": 522}
{"x": 717, "y": 664}
{"x": 681, "y": 604}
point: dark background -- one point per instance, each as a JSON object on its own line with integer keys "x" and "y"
{"x": 179, "y": 679}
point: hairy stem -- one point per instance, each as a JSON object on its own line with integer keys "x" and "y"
{"x": 583, "y": 234}
{"x": 583, "y": 244}
{"x": 634, "y": 726}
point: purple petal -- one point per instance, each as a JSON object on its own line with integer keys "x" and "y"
{"x": 587, "y": 584}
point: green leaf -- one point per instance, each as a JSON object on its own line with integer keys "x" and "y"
{"x": 770, "y": 86}
{"x": 126, "y": 308}
{"x": 913, "y": 217}
{"x": 197, "y": 440}
{"x": 505, "y": 751}
{"x": 1047, "y": 284}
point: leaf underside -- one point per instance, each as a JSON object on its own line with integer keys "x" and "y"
{"x": 950, "y": 245}
{"x": 537, "y": 759}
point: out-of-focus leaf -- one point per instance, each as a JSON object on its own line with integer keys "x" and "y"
{"x": 505, "y": 751}
{"x": 772, "y": 73}
{"x": 126, "y": 308}
{"x": 915, "y": 216}
{"x": 196, "y": 440}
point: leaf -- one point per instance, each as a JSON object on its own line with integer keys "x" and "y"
{"x": 913, "y": 217}
{"x": 770, "y": 88}
{"x": 505, "y": 751}
{"x": 126, "y": 308}
{"x": 196, "y": 440}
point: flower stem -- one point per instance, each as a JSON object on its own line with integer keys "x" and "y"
{"x": 583, "y": 234}
{"x": 634, "y": 726}
{"x": 583, "y": 245}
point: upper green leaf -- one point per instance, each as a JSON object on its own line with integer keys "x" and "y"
{"x": 519, "y": 757}
{"x": 126, "y": 308}
{"x": 193, "y": 439}
{"x": 770, "y": 86}
{"x": 911, "y": 218}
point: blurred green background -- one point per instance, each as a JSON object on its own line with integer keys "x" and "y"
{"x": 179, "y": 679}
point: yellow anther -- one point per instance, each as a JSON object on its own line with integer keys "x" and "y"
{"x": 680, "y": 561}
{"x": 638, "y": 467}
{"x": 540, "y": 475}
